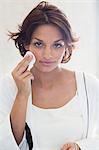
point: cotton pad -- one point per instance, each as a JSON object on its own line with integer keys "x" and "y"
{"x": 32, "y": 61}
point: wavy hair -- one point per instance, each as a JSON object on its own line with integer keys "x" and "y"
{"x": 44, "y": 13}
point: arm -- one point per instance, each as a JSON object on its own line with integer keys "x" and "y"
{"x": 18, "y": 117}
{"x": 7, "y": 96}
{"x": 13, "y": 108}
{"x": 22, "y": 79}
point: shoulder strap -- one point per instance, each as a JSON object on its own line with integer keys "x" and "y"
{"x": 86, "y": 91}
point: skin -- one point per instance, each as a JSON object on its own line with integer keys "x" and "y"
{"x": 52, "y": 78}
{"x": 47, "y": 44}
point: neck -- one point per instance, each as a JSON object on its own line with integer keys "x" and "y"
{"x": 46, "y": 79}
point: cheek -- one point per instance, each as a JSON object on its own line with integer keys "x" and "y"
{"x": 38, "y": 56}
{"x": 36, "y": 53}
{"x": 60, "y": 54}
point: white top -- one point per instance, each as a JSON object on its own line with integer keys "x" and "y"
{"x": 55, "y": 127}
{"x": 51, "y": 128}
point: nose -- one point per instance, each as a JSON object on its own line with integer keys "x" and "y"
{"x": 47, "y": 53}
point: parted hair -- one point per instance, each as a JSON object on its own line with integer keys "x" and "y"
{"x": 44, "y": 13}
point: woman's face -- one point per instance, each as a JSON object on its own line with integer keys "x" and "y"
{"x": 48, "y": 46}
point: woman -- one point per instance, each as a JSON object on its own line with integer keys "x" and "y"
{"x": 48, "y": 107}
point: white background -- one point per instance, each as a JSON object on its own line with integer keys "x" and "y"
{"x": 83, "y": 15}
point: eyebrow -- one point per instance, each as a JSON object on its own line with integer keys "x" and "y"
{"x": 54, "y": 41}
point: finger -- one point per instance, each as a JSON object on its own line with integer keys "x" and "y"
{"x": 23, "y": 67}
{"x": 28, "y": 77}
{"x": 25, "y": 74}
{"x": 71, "y": 148}
{"x": 66, "y": 146}
{"x": 21, "y": 62}
{"x": 25, "y": 62}
{"x": 76, "y": 146}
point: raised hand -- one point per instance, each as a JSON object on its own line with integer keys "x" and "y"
{"x": 22, "y": 76}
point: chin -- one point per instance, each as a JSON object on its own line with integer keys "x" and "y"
{"x": 46, "y": 69}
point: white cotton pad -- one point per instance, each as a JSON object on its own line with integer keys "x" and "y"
{"x": 32, "y": 61}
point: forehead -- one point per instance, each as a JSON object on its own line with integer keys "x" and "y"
{"x": 47, "y": 31}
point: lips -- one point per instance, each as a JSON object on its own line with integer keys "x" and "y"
{"x": 47, "y": 62}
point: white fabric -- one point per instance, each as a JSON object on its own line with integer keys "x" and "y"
{"x": 8, "y": 92}
{"x": 55, "y": 127}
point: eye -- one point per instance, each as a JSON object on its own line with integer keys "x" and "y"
{"x": 58, "y": 45}
{"x": 38, "y": 44}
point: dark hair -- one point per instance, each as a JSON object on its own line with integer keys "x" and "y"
{"x": 44, "y": 13}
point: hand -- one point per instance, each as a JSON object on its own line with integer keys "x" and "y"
{"x": 70, "y": 146}
{"x": 23, "y": 77}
